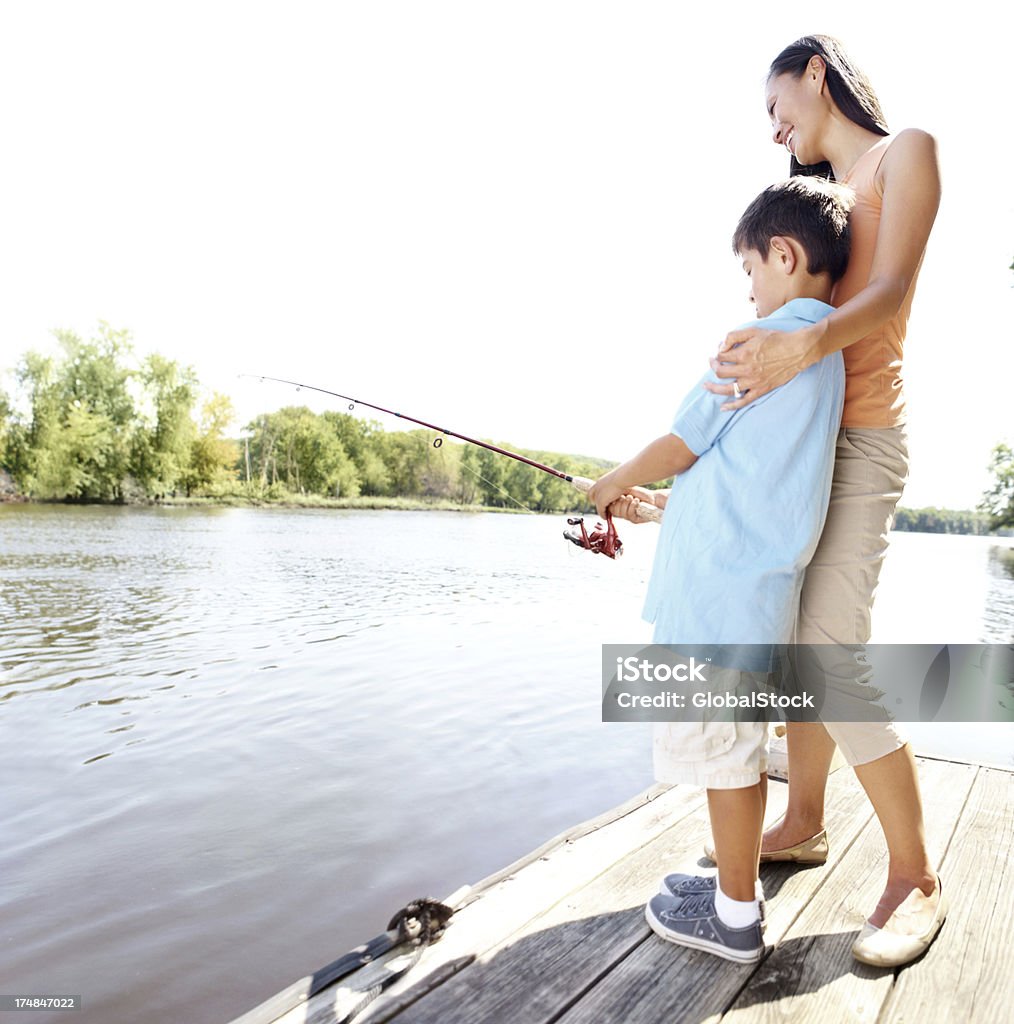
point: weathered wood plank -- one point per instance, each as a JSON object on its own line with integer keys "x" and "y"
{"x": 966, "y": 975}
{"x": 811, "y": 975}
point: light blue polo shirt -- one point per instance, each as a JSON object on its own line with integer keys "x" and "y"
{"x": 742, "y": 523}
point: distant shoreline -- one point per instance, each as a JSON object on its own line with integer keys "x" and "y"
{"x": 908, "y": 519}
{"x": 376, "y": 504}
{"x": 389, "y": 504}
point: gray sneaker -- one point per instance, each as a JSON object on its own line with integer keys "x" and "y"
{"x": 691, "y": 920}
{"x": 683, "y": 885}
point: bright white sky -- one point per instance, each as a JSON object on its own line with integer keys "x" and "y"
{"x": 510, "y": 218}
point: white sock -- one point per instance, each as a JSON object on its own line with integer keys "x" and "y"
{"x": 736, "y": 913}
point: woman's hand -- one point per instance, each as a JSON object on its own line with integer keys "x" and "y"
{"x": 759, "y": 361}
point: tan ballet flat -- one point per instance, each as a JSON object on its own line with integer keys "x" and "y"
{"x": 900, "y": 941}
{"x": 809, "y": 851}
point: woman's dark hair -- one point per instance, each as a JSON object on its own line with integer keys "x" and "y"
{"x": 849, "y": 87}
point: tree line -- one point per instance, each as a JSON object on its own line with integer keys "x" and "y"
{"x": 298, "y": 451}
{"x": 93, "y": 424}
{"x": 942, "y": 520}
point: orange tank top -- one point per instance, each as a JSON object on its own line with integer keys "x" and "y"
{"x": 873, "y": 385}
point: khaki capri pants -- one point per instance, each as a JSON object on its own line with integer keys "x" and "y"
{"x": 870, "y": 469}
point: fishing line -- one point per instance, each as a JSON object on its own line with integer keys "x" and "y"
{"x": 438, "y": 444}
{"x": 506, "y": 494}
{"x": 602, "y": 539}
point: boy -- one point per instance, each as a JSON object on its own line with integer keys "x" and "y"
{"x": 740, "y": 526}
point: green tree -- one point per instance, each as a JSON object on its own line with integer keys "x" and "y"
{"x": 6, "y": 426}
{"x": 84, "y": 458}
{"x": 406, "y": 454}
{"x": 362, "y": 441}
{"x": 373, "y": 474}
{"x": 998, "y": 501}
{"x": 211, "y": 459}
{"x": 93, "y": 373}
{"x": 521, "y": 482}
{"x": 163, "y": 439}
{"x": 441, "y": 470}
{"x": 301, "y": 450}
{"x": 77, "y": 439}
{"x": 27, "y": 439}
{"x": 468, "y": 475}
{"x": 490, "y": 472}
{"x": 556, "y": 495}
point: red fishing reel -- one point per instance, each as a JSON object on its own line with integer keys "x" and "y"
{"x": 603, "y": 540}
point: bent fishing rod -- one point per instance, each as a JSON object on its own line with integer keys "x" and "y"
{"x": 646, "y": 512}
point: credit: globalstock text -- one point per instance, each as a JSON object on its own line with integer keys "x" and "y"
{"x": 670, "y": 699}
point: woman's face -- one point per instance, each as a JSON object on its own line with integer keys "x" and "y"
{"x": 796, "y": 109}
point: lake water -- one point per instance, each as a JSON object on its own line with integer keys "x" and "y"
{"x": 234, "y": 742}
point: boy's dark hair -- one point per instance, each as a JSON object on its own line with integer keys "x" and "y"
{"x": 813, "y": 211}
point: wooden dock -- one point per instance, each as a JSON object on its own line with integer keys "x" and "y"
{"x": 561, "y": 937}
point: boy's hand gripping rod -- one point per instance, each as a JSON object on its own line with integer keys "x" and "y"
{"x": 648, "y": 513}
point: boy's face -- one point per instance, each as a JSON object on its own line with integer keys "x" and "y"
{"x": 767, "y": 280}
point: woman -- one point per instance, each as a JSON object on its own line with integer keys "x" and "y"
{"x": 824, "y": 111}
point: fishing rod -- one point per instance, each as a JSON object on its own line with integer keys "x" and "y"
{"x": 648, "y": 513}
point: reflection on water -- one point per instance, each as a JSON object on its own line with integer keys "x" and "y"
{"x": 999, "y": 624}
{"x": 236, "y": 741}
{"x": 1001, "y": 561}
